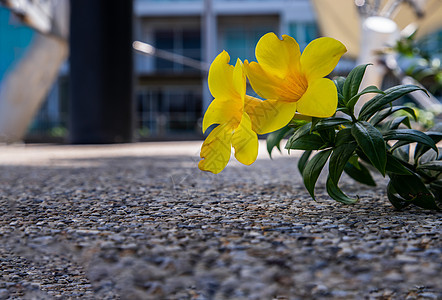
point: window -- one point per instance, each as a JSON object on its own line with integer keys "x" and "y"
{"x": 240, "y": 42}
{"x": 303, "y": 33}
{"x": 185, "y": 42}
{"x": 169, "y": 110}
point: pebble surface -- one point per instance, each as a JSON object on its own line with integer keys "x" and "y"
{"x": 129, "y": 222}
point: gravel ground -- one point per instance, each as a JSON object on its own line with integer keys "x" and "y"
{"x": 139, "y": 222}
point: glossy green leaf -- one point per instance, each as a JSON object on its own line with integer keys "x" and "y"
{"x": 300, "y": 131}
{"x": 397, "y": 201}
{"x": 400, "y": 120}
{"x": 341, "y": 103}
{"x": 421, "y": 149}
{"x": 344, "y": 136}
{"x": 353, "y": 81}
{"x": 370, "y": 89}
{"x": 339, "y": 82}
{"x": 328, "y": 135}
{"x": 381, "y": 115}
{"x": 274, "y": 138}
{"x": 359, "y": 173}
{"x": 339, "y": 159}
{"x": 314, "y": 122}
{"x": 436, "y": 188}
{"x": 379, "y": 101}
{"x": 305, "y": 142}
{"x": 435, "y": 165}
{"x": 394, "y": 166}
{"x": 330, "y": 123}
{"x": 409, "y": 136}
{"x": 371, "y": 142}
{"x": 297, "y": 123}
{"x": 335, "y": 192}
{"x": 303, "y": 160}
{"x": 312, "y": 170}
{"x": 411, "y": 188}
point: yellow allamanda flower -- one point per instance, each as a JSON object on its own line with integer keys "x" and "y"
{"x": 285, "y": 75}
{"x": 239, "y": 117}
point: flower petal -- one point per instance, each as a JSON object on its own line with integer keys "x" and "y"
{"x": 239, "y": 79}
{"x": 320, "y": 57}
{"x": 222, "y": 111}
{"x": 245, "y": 142}
{"x": 221, "y": 77}
{"x": 264, "y": 84}
{"x": 269, "y": 115}
{"x": 320, "y": 100}
{"x": 276, "y": 56}
{"x": 216, "y": 149}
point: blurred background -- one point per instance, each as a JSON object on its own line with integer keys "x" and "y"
{"x": 164, "y": 91}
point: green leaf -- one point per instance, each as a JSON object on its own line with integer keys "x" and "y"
{"x": 431, "y": 165}
{"x": 330, "y": 123}
{"x": 396, "y": 122}
{"x": 409, "y": 136}
{"x": 303, "y": 160}
{"x": 339, "y": 159}
{"x": 359, "y": 173}
{"x": 397, "y": 201}
{"x": 394, "y": 166}
{"x": 328, "y": 135}
{"x": 421, "y": 149}
{"x": 274, "y": 138}
{"x": 314, "y": 122}
{"x": 312, "y": 170}
{"x": 302, "y": 130}
{"x": 353, "y": 81}
{"x": 296, "y": 123}
{"x": 436, "y": 188}
{"x": 371, "y": 142}
{"x": 339, "y": 82}
{"x": 411, "y": 188}
{"x": 344, "y": 136}
{"x": 341, "y": 103}
{"x": 370, "y": 89}
{"x": 335, "y": 192}
{"x": 379, "y": 101}
{"x": 306, "y": 142}
{"x": 381, "y": 115}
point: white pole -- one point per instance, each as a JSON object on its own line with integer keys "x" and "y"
{"x": 377, "y": 33}
{"x": 209, "y": 41}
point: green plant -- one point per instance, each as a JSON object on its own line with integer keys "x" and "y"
{"x": 358, "y": 143}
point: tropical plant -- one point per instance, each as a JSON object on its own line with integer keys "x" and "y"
{"x": 357, "y": 144}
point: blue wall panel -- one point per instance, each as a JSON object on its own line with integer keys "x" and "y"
{"x": 14, "y": 39}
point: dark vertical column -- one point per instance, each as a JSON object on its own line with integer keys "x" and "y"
{"x": 101, "y": 72}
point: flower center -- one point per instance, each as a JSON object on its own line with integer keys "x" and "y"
{"x": 294, "y": 87}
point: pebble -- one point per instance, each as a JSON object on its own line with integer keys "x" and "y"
{"x": 147, "y": 227}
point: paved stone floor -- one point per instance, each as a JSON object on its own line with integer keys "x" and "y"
{"x": 140, "y": 221}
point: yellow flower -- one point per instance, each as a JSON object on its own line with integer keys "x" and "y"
{"x": 285, "y": 75}
{"x": 239, "y": 117}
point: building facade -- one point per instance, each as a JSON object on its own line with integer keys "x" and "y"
{"x": 172, "y": 97}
